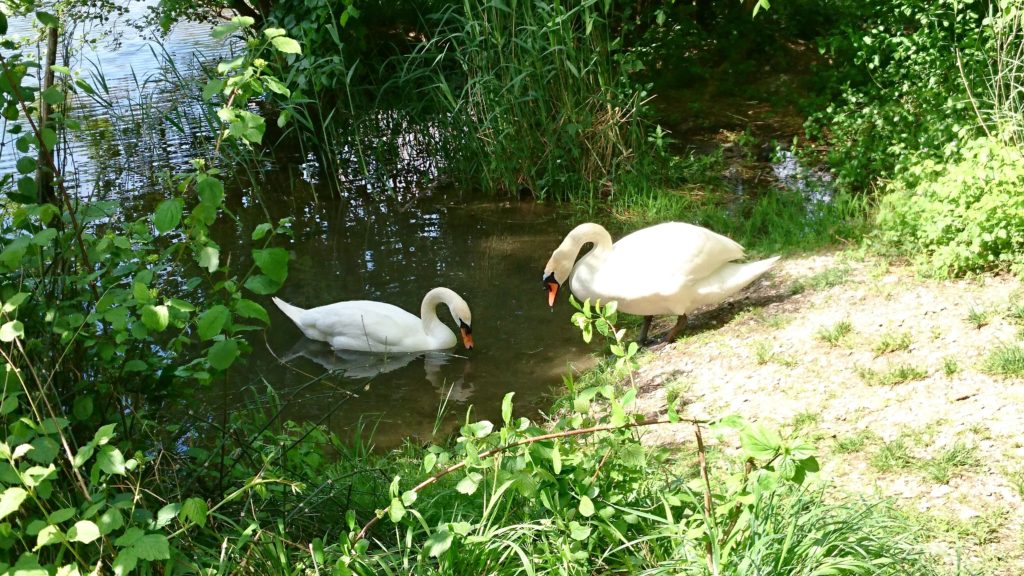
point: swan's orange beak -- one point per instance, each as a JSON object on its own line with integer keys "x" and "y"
{"x": 552, "y": 286}
{"x": 467, "y": 335}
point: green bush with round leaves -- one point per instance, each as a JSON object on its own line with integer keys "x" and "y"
{"x": 960, "y": 216}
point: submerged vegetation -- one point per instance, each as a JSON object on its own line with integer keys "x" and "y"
{"x": 113, "y": 314}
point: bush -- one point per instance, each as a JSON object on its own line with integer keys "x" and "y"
{"x": 960, "y": 216}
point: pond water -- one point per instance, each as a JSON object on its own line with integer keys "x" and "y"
{"x": 395, "y": 249}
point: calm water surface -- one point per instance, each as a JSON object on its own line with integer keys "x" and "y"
{"x": 395, "y": 250}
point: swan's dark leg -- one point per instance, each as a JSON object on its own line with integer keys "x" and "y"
{"x": 679, "y": 327}
{"x": 643, "y": 330}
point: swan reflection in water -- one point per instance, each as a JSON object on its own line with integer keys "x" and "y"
{"x": 358, "y": 365}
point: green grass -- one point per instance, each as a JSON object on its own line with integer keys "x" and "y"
{"x": 893, "y": 375}
{"x": 892, "y": 456}
{"x": 978, "y": 317}
{"x": 950, "y": 366}
{"x": 854, "y": 442}
{"x": 804, "y": 420}
{"x": 764, "y": 353}
{"x": 892, "y": 342}
{"x": 1005, "y": 360}
{"x": 779, "y": 320}
{"x": 941, "y": 468}
{"x": 833, "y": 335}
{"x": 823, "y": 280}
{"x": 1015, "y": 311}
{"x": 768, "y": 222}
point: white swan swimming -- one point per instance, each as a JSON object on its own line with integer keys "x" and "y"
{"x": 670, "y": 268}
{"x": 378, "y": 327}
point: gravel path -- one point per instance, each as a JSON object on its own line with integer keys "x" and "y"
{"x": 899, "y": 402}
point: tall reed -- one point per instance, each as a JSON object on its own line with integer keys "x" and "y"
{"x": 535, "y": 95}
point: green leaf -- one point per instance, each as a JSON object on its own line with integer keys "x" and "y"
{"x": 27, "y": 188}
{"x": 209, "y": 258}
{"x": 104, "y": 435}
{"x": 578, "y": 532}
{"x": 506, "y": 408}
{"x": 44, "y": 236}
{"x": 212, "y": 322}
{"x": 222, "y": 354}
{"x": 469, "y": 483}
{"x": 125, "y": 562}
{"x": 193, "y": 510}
{"x": 12, "y": 330}
{"x": 556, "y": 459}
{"x": 44, "y": 450}
{"x": 249, "y": 309}
{"x": 3, "y": 24}
{"x": 477, "y": 429}
{"x": 167, "y": 513}
{"x": 396, "y": 511}
{"x": 586, "y": 506}
{"x": 83, "y": 455}
{"x": 168, "y": 215}
{"x": 409, "y": 497}
{"x": 13, "y": 302}
{"x": 111, "y": 461}
{"x": 760, "y": 442}
{"x": 26, "y": 165}
{"x": 62, "y": 515}
{"x": 109, "y": 521}
{"x": 273, "y": 262}
{"x": 274, "y": 32}
{"x": 82, "y": 408}
{"x": 212, "y": 88}
{"x": 11, "y": 500}
{"x": 261, "y": 284}
{"x": 130, "y": 537}
{"x": 47, "y": 19}
{"x": 134, "y": 365}
{"x": 428, "y": 462}
{"x": 53, "y": 96}
{"x": 439, "y": 543}
{"x": 276, "y": 86}
{"x": 286, "y": 45}
{"x": 261, "y": 231}
{"x": 211, "y": 191}
{"x": 155, "y": 318}
{"x": 84, "y": 531}
{"x": 49, "y": 138}
{"x": 48, "y": 535}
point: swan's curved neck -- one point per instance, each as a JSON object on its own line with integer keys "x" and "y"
{"x": 428, "y": 309}
{"x": 589, "y": 232}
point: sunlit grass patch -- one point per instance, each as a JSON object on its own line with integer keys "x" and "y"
{"x": 892, "y": 341}
{"x": 893, "y": 375}
{"x": 1005, "y": 360}
{"x": 832, "y": 335}
{"x": 854, "y": 442}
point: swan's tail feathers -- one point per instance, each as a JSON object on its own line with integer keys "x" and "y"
{"x": 293, "y": 312}
{"x": 730, "y": 279}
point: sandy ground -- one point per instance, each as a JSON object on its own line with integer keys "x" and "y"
{"x": 954, "y": 431}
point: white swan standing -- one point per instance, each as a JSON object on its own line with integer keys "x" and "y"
{"x": 378, "y": 327}
{"x": 670, "y": 268}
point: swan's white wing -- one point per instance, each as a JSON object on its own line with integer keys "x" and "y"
{"x": 362, "y": 325}
{"x": 662, "y": 258}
